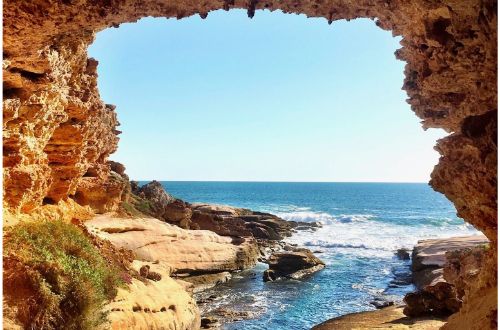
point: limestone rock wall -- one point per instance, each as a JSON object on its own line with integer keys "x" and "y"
{"x": 58, "y": 133}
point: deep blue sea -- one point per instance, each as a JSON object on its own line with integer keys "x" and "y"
{"x": 363, "y": 225}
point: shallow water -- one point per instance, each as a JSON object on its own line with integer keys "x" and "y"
{"x": 363, "y": 224}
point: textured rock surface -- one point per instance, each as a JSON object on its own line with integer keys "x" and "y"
{"x": 57, "y": 132}
{"x": 206, "y": 281}
{"x": 154, "y": 305}
{"x": 162, "y": 205}
{"x": 437, "y": 294}
{"x": 292, "y": 264}
{"x": 429, "y": 257}
{"x": 231, "y": 221}
{"x": 185, "y": 251}
{"x": 387, "y": 318}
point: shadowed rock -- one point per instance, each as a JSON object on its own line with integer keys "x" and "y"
{"x": 292, "y": 264}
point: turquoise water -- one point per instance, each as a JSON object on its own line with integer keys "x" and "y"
{"x": 363, "y": 224}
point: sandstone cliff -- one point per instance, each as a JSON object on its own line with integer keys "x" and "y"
{"x": 58, "y": 133}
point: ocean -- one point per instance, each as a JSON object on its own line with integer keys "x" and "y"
{"x": 363, "y": 225}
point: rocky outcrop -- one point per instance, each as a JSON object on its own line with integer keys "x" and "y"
{"x": 430, "y": 256}
{"x": 185, "y": 251}
{"x": 58, "y": 133}
{"x": 230, "y": 221}
{"x": 207, "y": 281}
{"x": 403, "y": 254}
{"x": 102, "y": 195}
{"x": 436, "y": 294}
{"x": 153, "y": 200}
{"x": 294, "y": 264}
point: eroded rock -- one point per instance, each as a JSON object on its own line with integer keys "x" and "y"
{"x": 57, "y": 133}
{"x": 292, "y": 264}
{"x": 157, "y": 304}
{"x": 438, "y": 295}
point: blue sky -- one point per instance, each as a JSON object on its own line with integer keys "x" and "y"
{"x": 274, "y": 98}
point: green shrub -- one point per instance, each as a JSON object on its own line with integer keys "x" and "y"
{"x": 60, "y": 279}
{"x": 138, "y": 207}
{"x": 143, "y": 206}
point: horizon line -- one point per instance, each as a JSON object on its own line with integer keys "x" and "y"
{"x": 272, "y": 181}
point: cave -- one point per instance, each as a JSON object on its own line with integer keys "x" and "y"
{"x": 51, "y": 97}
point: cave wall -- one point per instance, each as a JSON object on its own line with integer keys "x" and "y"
{"x": 58, "y": 133}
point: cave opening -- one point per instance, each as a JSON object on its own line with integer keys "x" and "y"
{"x": 450, "y": 79}
{"x": 188, "y": 91}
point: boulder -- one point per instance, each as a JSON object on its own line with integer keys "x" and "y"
{"x": 292, "y": 264}
{"x": 380, "y": 303}
{"x": 224, "y": 225}
{"x": 146, "y": 272}
{"x": 439, "y": 299}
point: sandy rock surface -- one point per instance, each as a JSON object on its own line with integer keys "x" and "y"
{"x": 386, "y": 318}
{"x": 153, "y": 305}
{"x": 185, "y": 251}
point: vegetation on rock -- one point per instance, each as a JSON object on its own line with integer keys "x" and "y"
{"x": 55, "y": 277}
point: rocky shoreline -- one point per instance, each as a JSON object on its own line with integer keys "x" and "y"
{"x": 172, "y": 250}
{"x": 190, "y": 248}
{"x": 199, "y": 246}
{"x": 442, "y": 271}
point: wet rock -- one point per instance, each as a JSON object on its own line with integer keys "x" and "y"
{"x": 379, "y": 302}
{"x": 269, "y": 276}
{"x": 230, "y": 221}
{"x": 292, "y": 264}
{"x": 229, "y": 315}
{"x": 208, "y": 322}
{"x": 403, "y": 254}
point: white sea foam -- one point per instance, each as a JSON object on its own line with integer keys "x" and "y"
{"x": 306, "y": 216}
{"x": 364, "y": 235}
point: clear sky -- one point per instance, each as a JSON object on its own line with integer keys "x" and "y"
{"x": 274, "y": 98}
